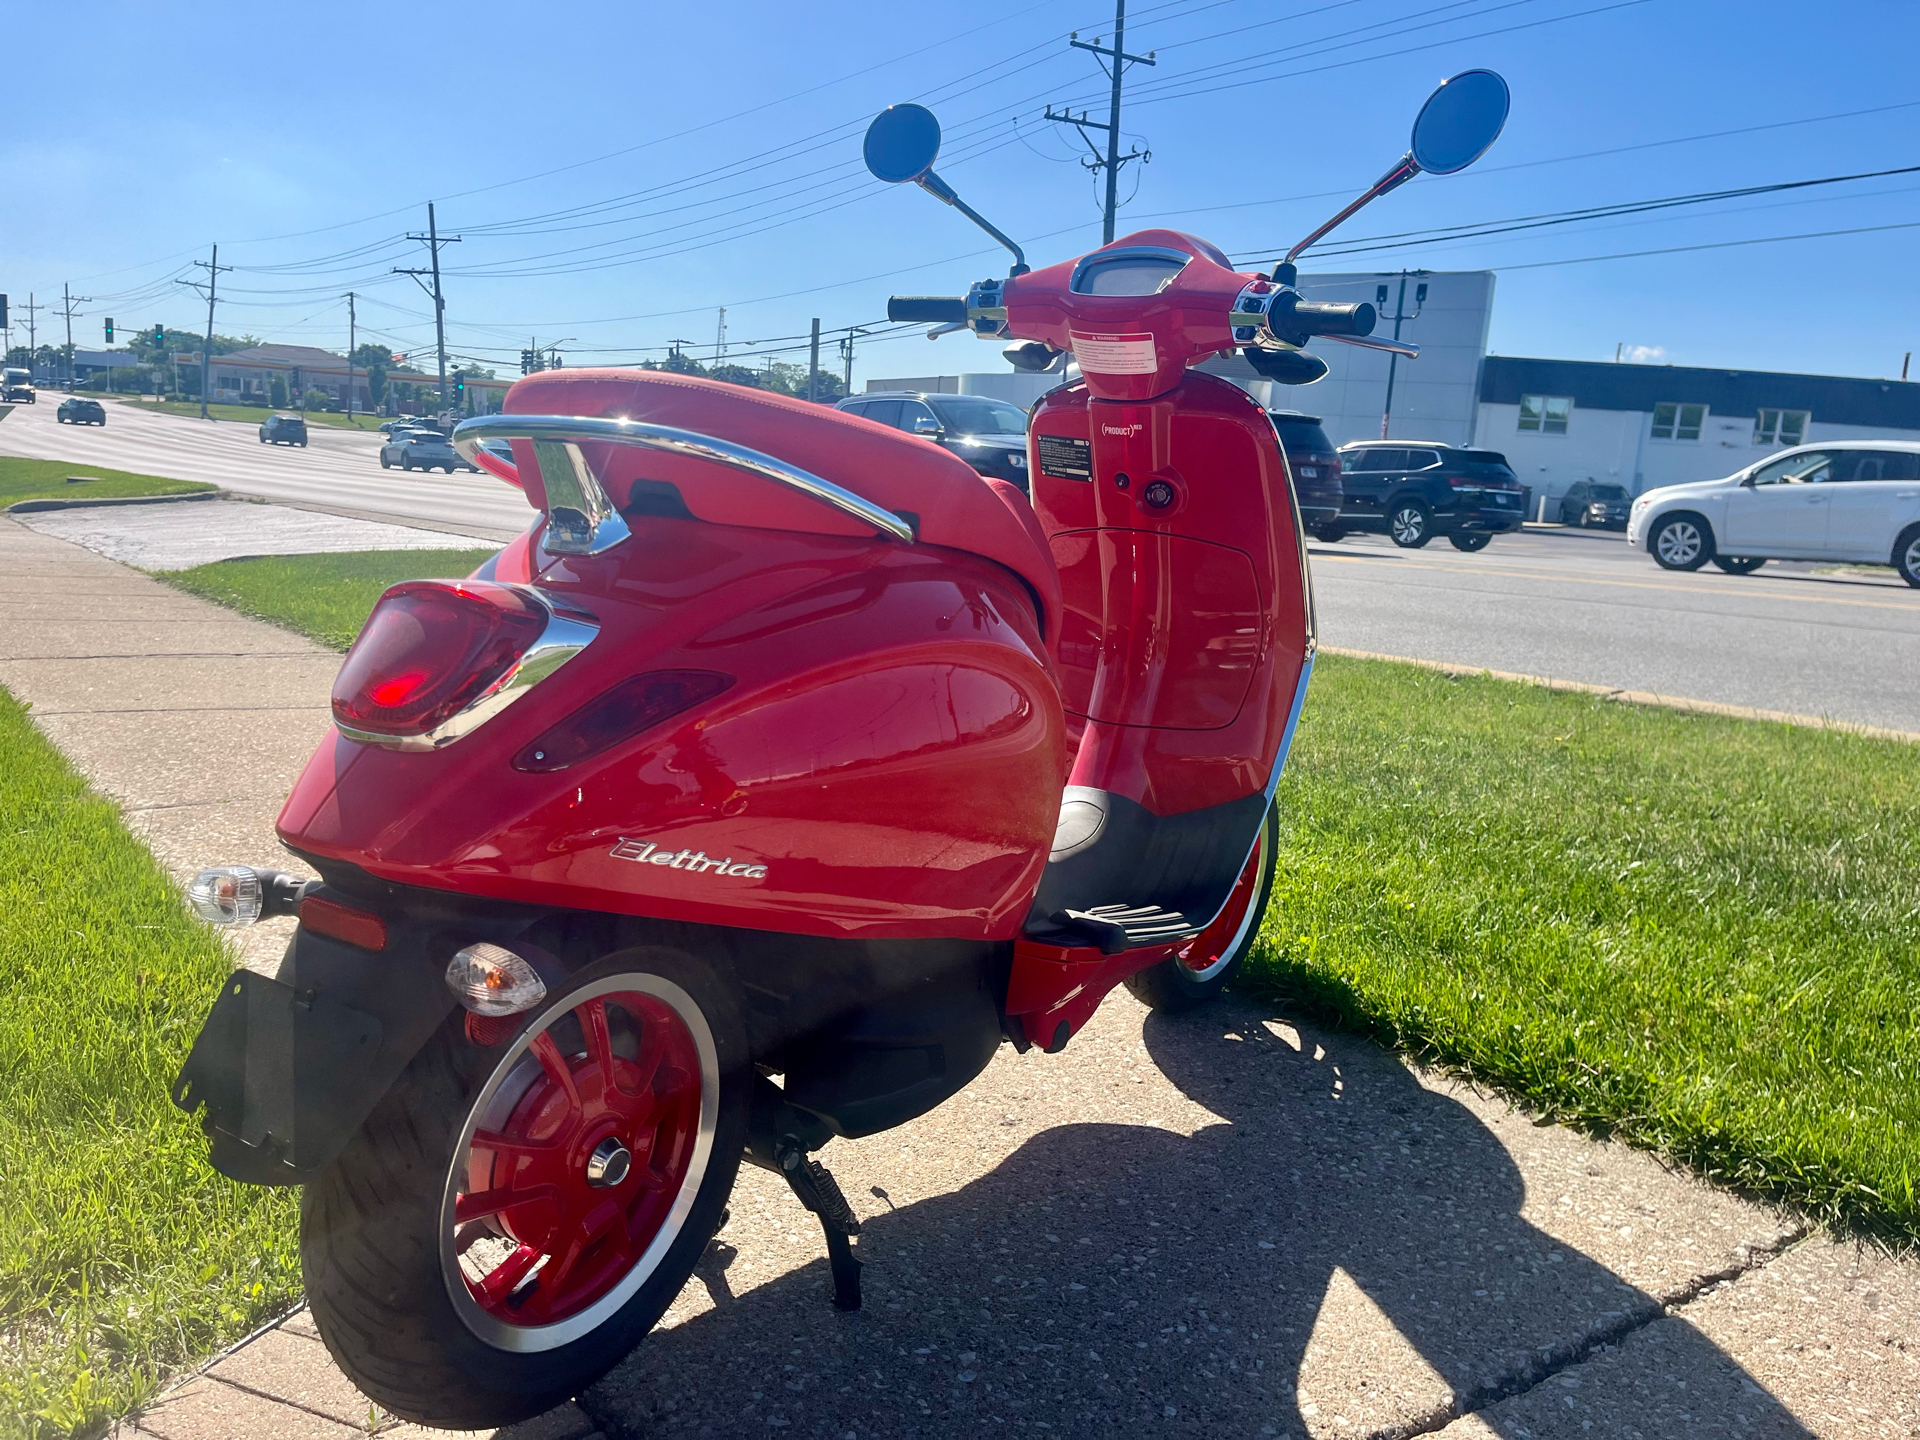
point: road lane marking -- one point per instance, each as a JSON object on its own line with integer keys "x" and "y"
{"x": 1910, "y": 607}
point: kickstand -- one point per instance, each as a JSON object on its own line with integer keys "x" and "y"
{"x": 820, "y": 1193}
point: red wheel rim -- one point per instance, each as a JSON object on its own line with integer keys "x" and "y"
{"x": 1213, "y": 947}
{"x": 548, "y": 1225}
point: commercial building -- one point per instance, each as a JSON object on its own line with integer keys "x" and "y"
{"x": 246, "y": 376}
{"x": 1643, "y": 426}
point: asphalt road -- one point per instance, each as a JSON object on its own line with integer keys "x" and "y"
{"x": 338, "y": 468}
{"x": 1574, "y": 605}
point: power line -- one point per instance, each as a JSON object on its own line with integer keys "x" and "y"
{"x": 1714, "y": 245}
{"x": 1114, "y": 62}
{"x": 434, "y": 240}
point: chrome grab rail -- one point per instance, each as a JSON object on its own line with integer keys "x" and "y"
{"x": 582, "y": 520}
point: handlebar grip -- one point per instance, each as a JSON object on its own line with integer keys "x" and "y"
{"x": 928, "y": 309}
{"x": 1320, "y": 317}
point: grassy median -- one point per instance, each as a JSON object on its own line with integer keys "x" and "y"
{"x": 324, "y": 596}
{"x": 256, "y": 414}
{"x": 126, "y": 1256}
{"x": 49, "y": 479}
{"x": 1698, "y": 934}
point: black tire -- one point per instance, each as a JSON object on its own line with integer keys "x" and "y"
{"x": 1739, "y": 564}
{"x": 1681, "y": 541}
{"x": 371, "y": 1226}
{"x": 1470, "y": 540}
{"x": 1409, "y": 524}
{"x": 385, "y": 463}
{"x": 1330, "y": 534}
{"x": 1175, "y": 985}
{"x": 1906, "y": 555}
{"x": 405, "y": 463}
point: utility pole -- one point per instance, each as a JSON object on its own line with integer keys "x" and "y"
{"x": 33, "y": 338}
{"x": 433, "y": 240}
{"x": 720, "y": 338}
{"x": 813, "y": 363}
{"x": 1399, "y": 314}
{"x": 352, "y": 336}
{"x": 213, "y": 267}
{"x": 1114, "y": 62}
{"x": 67, "y": 301}
{"x": 846, "y": 355}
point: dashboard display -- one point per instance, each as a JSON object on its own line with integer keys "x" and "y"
{"x": 1127, "y": 275}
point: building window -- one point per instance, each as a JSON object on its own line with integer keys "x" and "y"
{"x": 1674, "y": 421}
{"x": 1545, "y": 414}
{"x": 1781, "y": 427}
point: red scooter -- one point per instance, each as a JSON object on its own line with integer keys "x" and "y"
{"x": 782, "y": 770}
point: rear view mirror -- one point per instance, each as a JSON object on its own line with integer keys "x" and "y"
{"x": 1459, "y": 122}
{"x": 902, "y": 143}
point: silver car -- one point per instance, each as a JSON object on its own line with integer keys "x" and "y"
{"x": 423, "y": 450}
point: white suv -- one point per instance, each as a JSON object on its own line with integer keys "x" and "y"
{"x": 1855, "y": 500}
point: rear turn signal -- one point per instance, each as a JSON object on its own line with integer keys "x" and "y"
{"x": 490, "y": 980}
{"x": 429, "y": 650}
{"x": 628, "y": 708}
{"x": 229, "y": 895}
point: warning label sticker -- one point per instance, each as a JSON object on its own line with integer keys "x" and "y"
{"x": 1115, "y": 354}
{"x": 1064, "y": 457}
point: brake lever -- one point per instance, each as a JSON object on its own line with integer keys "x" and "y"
{"x": 949, "y": 328}
{"x": 1370, "y": 342}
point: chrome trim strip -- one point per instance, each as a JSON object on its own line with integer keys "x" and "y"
{"x": 564, "y": 636}
{"x": 559, "y": 436}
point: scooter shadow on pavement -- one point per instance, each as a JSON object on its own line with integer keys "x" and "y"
{"x": 1120, "y": 1279}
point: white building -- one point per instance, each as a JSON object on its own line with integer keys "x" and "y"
{"x": 1643, "y": 426}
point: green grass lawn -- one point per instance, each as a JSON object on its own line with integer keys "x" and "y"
{"x": 254, "y": 414}
{"x": 44, "y": 479}
{"x": 126, "y": 1257}
{"x": 324, "y": 596}
{"x": 1696, "y": 933}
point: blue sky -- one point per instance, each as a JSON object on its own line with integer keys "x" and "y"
{"x": 617, "y": 172}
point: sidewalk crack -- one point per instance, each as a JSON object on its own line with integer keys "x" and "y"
{"x": 1559, "y": 1359}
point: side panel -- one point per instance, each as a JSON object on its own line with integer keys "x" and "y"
{"x": 887, "y": 763}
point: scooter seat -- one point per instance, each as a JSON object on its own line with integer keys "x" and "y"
{"x": 947, "y": 501}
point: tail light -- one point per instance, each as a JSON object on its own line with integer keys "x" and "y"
{"x": 438, "y": 657}
{"x": 343, "y": 922}
{"x": 628, "y": 708}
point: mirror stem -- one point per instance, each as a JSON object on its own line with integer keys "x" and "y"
{"x": 944, "y": 193}
{"x": 1404, "y": 170}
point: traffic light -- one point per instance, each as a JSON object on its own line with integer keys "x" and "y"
{"x": 159, "y": 337}
{"x": 3, "y": 312}
{"x": 109, "y": 329}
{"x": 526, "y": 362}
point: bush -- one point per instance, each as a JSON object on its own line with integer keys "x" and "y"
{"x": 277, "y": 392}
{"x": 317, "y": 399}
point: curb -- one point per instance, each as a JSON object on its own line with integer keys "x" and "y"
{"x": 1637, "y": 697}
{"x": 27, "y": 507}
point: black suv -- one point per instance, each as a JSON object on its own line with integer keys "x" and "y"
{"x": 1315, "y": 465}
{"x": 283, "y": 430}
{"x": 1592, "y": 502}
{"x": 990, "y": 435}
{"x": 1411, "y": 491}
{"x": 75, "y": 410}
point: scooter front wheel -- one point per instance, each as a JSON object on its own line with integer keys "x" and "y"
{"x": 511, "y": 1221}
{"x": 1201, "y": 969}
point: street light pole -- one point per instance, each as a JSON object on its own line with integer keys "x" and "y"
{"x": 1399, "y": 314}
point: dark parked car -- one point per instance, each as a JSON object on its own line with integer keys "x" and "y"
{"x": 1411, "y": 491}
{"x": 1315, "y": 465}
{"x": 76, "y": 411}
{"x": 1600, "y": 505}
{"x": 990, "y": 435}
{"x": 423, "y": 450}
{"x": 283, "y": 430}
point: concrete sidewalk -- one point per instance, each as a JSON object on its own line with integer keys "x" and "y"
{"x": 1225, "y": 1223}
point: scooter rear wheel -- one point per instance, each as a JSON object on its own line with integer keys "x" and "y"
{"x": 1202, "y": 968}
{"x": 511, "y": 1221}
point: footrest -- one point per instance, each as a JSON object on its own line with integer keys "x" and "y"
{"x": 1114, "y": 928}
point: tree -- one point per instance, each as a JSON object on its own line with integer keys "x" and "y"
{"x": 367, "y": 356}
{"x": 736, "y": 375}
{"x": 277, "y": 392}
{"x": 376, "y": 378}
